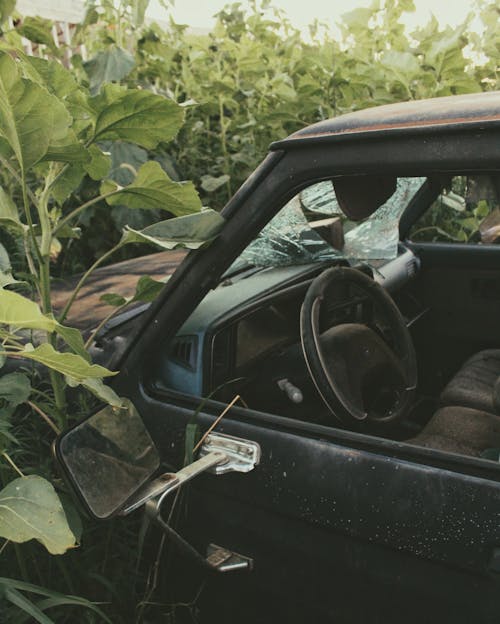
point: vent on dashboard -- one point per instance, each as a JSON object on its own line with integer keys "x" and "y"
{"x": 184, "y": 351}
{"x": 412, "y": 268}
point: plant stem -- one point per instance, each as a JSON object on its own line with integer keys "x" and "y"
{"x": 47, "y": 419}
{"x": 11, "y": 462}
{"x": 216, "y": 422}
{"x": 77, "y": 211}
{"x": 29, "y": 220}
{"x": 116, "y": 310}
{"x": 84, "y": 278}
{"x": 223, "y": 140}
{"x": 56, "y": 379}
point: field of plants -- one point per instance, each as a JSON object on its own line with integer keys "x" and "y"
{"x": 113, "y": 153}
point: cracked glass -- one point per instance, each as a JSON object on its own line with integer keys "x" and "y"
{"x": 292, "y": 236}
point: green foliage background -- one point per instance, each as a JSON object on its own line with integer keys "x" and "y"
{"x": 254, "y": 79}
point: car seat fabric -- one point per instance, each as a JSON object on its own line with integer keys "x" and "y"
{"x": 474, "y": 384}
{"x": 460, "y": 430}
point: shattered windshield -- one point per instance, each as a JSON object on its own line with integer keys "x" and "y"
{"x": 312, "y": 227}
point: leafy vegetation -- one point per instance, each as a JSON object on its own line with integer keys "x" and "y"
{"x": 92, "y": 153}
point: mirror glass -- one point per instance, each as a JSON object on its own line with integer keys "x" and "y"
{"x": 108, "y": 457}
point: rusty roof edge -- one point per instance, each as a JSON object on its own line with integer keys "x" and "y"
{"x": 371, "y": 131}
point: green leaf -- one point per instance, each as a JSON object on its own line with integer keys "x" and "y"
{"x": 147, "y": 289}
{"x": 66, "y": 363}
{"x": 9, "y": 215}
{"x": 6, "y": 8}
{"x": 5, "y": 268}
{"x": 358, "y": 18}
{"x": 67, "y": 149}
{"x": 15, "y": 388}
{"x": 23, "y": 603}
{"x": 99, "y": 165}
{"x": 113, "y": 299}
{"x": 111, "y": 65}
{"x": 68, "y": 182}
{"x": 31, "y": 509}
{"x": 192, "y": 437}
{"x": 126, "y": 159}
{"x": 191, "y": 231}
{"x": 38, "y": 30}
{"x": 404, "y": 63}
{"x": 138, "y": 11}
{"x": 140, "y": 117}
{"x": 73, "y": 338}
{"x": 152, "y": 188}
{"x": 18, "y": 311}
{"x": 31, "y": 119}
{"x": 54, "y": 599}
{"x": 49, "y": 74}
{"x": 98, "y": 388}
{"x": 72, "y": 516}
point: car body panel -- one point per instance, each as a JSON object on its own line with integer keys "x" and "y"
{"x": 340, "y": 524}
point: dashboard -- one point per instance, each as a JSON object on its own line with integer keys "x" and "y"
{"x": 245, "y": 334}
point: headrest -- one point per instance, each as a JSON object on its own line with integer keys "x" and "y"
{"x": 360, "y": 196}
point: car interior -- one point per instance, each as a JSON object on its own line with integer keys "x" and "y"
{"x": 368, "y": 303}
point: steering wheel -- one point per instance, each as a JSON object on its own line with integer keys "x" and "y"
{"x": 364, "y": 371}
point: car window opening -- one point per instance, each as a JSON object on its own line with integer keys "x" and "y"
{"x": 245, "y": 336}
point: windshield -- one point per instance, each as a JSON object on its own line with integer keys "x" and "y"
{"x": 312, "y": 227}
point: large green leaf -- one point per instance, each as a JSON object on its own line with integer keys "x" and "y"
{"x": 69, "y": 364}
{"x": 191, "y": 231}
{"x": 15, "y": 388}
{"x": 18, "y": 311}
{"x": 49, "y": 74}
{"x": 152, "y": 188}
{"x": 31, "y": 509}
{"x": 32, "y": 121}
{"x": 111, "y": 65}
{"x": 140, "y": 117}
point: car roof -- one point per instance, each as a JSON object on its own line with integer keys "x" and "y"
{"x": 446, "y": 114}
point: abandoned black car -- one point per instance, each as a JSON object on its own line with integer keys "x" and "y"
{"x": 348, "y": 312}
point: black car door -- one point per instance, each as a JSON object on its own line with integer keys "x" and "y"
{"x": 339, "y": 525}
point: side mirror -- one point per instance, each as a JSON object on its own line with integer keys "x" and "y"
{"x": 108, "y": 458}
